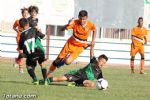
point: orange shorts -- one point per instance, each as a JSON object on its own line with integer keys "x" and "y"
{"x": 136, "y": 49}
{"x": 72, "y": 47}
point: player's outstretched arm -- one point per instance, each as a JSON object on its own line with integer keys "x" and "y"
{"x": 91, "y": 51}
{"x": 145, "y": 40}
{"x": 64, "y": 27}
{"x": 70, "y": 23}
{"x": 93, "y": 37}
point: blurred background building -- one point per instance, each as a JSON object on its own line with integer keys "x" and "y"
{"x": 113, "y": 19}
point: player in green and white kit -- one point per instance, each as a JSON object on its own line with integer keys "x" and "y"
{"x": 31, "y": 46}
{"x": 84, "y": 76}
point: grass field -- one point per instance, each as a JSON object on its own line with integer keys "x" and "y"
{"x": 123, "y": 85}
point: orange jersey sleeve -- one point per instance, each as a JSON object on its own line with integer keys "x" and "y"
{"x": 93, "y": 28}
{"x": 80, "y": 31}
{"x": 71, "y": 25}
{"x": 16, "y": 24}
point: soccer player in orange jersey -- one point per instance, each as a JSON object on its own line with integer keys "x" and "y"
{"x": 18, "y": 29}
{"x": 138, "y": 40}
{"x": 77, "y": 42}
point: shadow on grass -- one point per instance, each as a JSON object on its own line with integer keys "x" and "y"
{"x": 26, "y": 83}
{"x": 64, "y": 84}
{"x": 59, "y": 84}
{"x": 15, "y": 82}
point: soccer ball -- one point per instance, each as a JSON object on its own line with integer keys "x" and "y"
{"x": 101, "y": 84}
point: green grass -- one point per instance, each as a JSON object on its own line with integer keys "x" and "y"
{"x": 122, "y": 85}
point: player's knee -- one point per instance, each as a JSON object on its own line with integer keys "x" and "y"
{"x": 132, "y": 58}
{"x": 58, "y": 62}
{"x": 142, "y": 58}
{"x": 68, "y": 61}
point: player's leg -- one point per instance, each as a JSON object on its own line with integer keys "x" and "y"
{"x": 66, "y": 77}
{"x": 68, "y": 59}
{"x": 30, "y": 69}
{"x": 43, "y": 70}
{"x": 141, "y": 51}
{"x": 88, "y": 83}
{"x": 76, "y": 51}
{"x": 59, "y": 79}
{"x": 17, "y": 41}
{"x": 32, "y": 74}
{"x": 132, "y": 63}
{"x": 66, "y": 56}
{"x": 53, "y": 79}
{"x": 75, "y": 78}
{"x": 57, "y": 63}
{"x": 42, "y": 62}
{"x": 60, "y": 60}
{"x": 20, "y": 62}
{"x": 133, "y": 52}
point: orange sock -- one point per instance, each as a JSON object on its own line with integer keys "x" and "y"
{"x": 16, "y": 60}
{"x": 20, "y": 61}
{"x": 132, "y": 66}
{"x": 142, "y": 66}
{"x": 51, "y": 69}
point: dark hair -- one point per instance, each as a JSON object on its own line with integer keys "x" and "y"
{"x": 140, "y": 18}
{"x": 83, "y": 13}
{"x": 32, "y": 8}
{"x": 23, "y": 10}
{"x": 23, "y": 22}
{"x": 103, "y": 56}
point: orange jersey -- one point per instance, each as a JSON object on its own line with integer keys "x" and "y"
{"x": 17, "y": 26}
{"x": 79, "y": 31}
{"x": 138, "y": 35}
{"x": 77, "y": 43}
